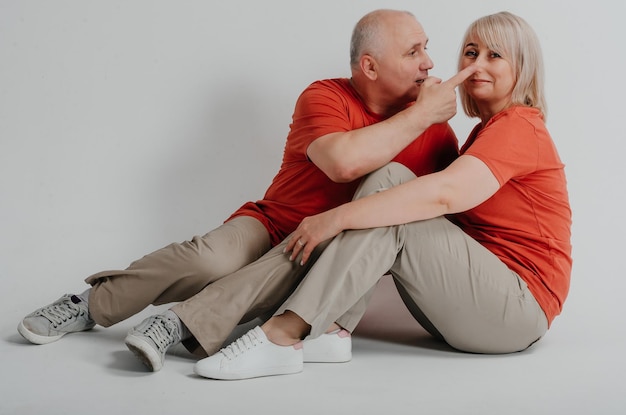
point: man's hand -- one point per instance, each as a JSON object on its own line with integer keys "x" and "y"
{"x": 437, "y": 99}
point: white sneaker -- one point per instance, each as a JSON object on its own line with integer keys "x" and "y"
{"x": 251, "y": 356}
{"x": 334, "y": 347}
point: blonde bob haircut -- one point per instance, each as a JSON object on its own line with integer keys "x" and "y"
{"x": 514, "y": 39}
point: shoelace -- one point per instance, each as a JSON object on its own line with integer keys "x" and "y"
{"x": 59, "y": 313}
{"x": 241, "y": 345}
{"x": 162, "y": 331}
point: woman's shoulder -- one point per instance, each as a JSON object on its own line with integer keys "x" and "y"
{"x": 518, "y": 112}
{"x": 520, "y": 115}
{"x": 518, "y": 119}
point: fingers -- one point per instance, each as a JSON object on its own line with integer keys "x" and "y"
{"x": 431, "y": 80}
{"x": 460, "y": 77}
{"x": 291, "y": 247}
{"x": 295, "y": 246}
{"x": 306, "y": 253}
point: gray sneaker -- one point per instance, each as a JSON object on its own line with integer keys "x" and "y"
{"x": 68, "y": 314}
{"x": 150, "y": 340}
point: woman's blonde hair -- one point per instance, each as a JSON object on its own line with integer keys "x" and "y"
{"x": 514, "y": 39}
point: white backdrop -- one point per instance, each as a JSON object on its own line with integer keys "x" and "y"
{"x": 126, "y": 125}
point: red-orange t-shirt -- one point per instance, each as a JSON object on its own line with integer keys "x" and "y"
{"x": 527, "y": 222}
{"x": 300, "y": 189}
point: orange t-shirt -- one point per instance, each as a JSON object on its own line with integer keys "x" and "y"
{"x": 300, "y": 189}
{"x": 527, "y": 222}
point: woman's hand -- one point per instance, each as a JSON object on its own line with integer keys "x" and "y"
{"x": 311, "y": 232}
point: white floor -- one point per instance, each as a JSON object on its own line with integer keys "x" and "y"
{"x": 397, "y": 368}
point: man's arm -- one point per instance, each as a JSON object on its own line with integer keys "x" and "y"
{"x": 347, "y": 156}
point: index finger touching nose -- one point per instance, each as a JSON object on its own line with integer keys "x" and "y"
{"x": 461, "y": 76}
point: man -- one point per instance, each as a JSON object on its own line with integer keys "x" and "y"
{"x": 342, "y": 129}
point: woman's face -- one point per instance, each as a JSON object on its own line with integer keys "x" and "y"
{"x": 492, "y": 84}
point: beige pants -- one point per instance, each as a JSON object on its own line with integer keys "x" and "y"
{"x": 219, "y": 281}
{"x": 458, "y": 290}
{"x": 177, "y": 271}
{"x": 218, "y": 290}
{"x": 256, "y": 290}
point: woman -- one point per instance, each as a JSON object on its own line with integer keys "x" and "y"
{"x": 480, "y": 251}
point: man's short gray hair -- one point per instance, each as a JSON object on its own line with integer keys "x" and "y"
{"x": 366, "y": 36}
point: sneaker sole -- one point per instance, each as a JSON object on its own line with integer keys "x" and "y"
{"x": 330, "y": 357}
{"x": 249, "y": 374}
{"x": 144, "y": 352}
{"x": 36, "y": 338}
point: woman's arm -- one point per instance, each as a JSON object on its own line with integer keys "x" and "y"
{"x": 466, "y": 183}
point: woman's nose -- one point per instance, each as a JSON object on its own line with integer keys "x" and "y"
{"x": 479, "y": 61}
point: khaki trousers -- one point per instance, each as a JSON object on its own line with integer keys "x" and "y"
{"x": 219, "y": 281}
{"x": 458, "y": 290}
{"x": 176, "y": 272}
{"x": 255, "y": 290}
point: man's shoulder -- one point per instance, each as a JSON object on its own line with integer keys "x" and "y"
{"x": 337, "y": 84}
{"x": 330, "y": 90}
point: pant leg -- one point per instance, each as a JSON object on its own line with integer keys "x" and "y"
{"x": 177, "y": 271}
{"x": 497, "y": 311}
{"x": 253, "y": 291}
{"x": 259, "y": 288}
{"x": 348, "y": 270}
{"x": 461, "y": 292}
{"x": 383, "y": 178}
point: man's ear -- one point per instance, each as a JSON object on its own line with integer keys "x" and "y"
{"x": 369, "y": 67}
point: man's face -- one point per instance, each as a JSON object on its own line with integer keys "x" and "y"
{"x": 403, "y": 63}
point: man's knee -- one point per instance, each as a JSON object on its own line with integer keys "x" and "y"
{"x": 390, "y": 175}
